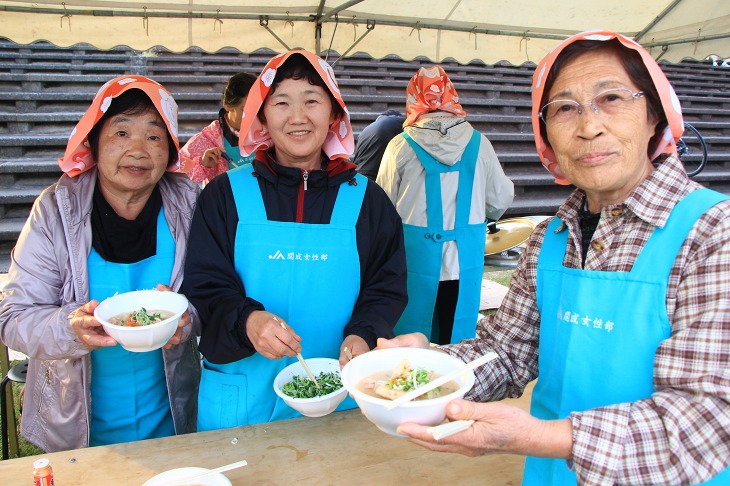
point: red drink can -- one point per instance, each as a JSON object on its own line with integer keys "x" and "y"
{"x": 42, "y": 473}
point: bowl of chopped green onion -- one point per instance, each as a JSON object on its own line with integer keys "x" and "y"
{"x": 299, "y": 392}
{"x": 142, "y": 320}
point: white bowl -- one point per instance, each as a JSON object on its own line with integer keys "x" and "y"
{"x": 310, "y": 407}
{"x": 424, "y": 412}
{"x": 142, "y": 338}
{"x": 173, "y": 475}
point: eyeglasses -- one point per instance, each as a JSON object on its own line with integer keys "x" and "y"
{"x": 610, "y": 102}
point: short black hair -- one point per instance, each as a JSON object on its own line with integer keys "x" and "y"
{"x": 298, "y": 67}
{"x": 237, "y": 88}
{"x": 131, "y": 102}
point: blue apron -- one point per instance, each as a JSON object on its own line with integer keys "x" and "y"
{"x": 129, "y": 397}
{"x": 309, "y": 275}
{"x": 594, "y": 352}
{"x": 235, "y": 159}
{"x": 424, "y": 249}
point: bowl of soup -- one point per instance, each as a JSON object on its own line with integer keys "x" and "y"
{"x": 299, "y": 392}
{"x": 375, "y": 378}
{"x": 143, "y": 320}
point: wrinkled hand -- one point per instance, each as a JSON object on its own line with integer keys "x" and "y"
{"x": 184, "y": 321}
{"x": 356, "y": 345}
{"x": 498, "y": 428}
{"x": 413, "y": 340}
{"x": 270, "y": 338}
{"x": 87, "y": 329}
{"x": 211, "y": 156}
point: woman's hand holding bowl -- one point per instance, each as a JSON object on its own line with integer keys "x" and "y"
{"x": 413, "y": 340}
{"x": 184, "y": 321}
{"x": 270, "y": 338}
{"x": 356, "y": 345}
{"x": 87, "y": 329}
{"x": 497, "y": 428}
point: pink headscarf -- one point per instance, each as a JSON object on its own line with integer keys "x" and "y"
{"x": 669, "y": 100}
{"x": 430, "y": 89}
{"x": 340, "y": 141}
{"x": 78, "y": 158}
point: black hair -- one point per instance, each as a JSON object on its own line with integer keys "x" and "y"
{"x": 298, "y": 67}
{"x": 131, "y": 102}
{"x": 635, "y": 68}
{"x": 237, "y": 88}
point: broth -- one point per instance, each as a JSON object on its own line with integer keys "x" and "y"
{"x": 384, "y": 384}
{"x": 141, "y": 317}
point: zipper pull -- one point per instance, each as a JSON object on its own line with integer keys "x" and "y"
{"x": 305, "y": 176}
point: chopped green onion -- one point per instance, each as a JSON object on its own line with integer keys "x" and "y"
{"x": 303, "y": 387}
{"x": 143, "y": 318}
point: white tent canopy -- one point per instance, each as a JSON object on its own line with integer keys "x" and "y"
{"x": 465, "y": 30}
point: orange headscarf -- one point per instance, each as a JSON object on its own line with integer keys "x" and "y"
{"x": 340, "y": 141}
{"x": 430, "y": 89}
{"x": 78, "y": 158}
{"x": 669, "y": 100}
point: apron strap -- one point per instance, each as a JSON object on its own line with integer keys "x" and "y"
{"x": 667, "y": 240}
{"x": 466, "y": 167}
{"x": 243, "y": 184}
{"x": 349, "y": 196}
{"x": 467, "y": 170}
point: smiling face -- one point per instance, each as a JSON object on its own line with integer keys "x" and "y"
{"x": 132, "y": 156}
{"x": 604, "y": 155}
{"x": 298, "y": 116}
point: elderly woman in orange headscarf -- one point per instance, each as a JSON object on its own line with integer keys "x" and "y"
{"x": 295, "y": 253}
{"x": 445, "y": 181}
{"x": 620, "y": 303}
{"x": 117, "y": 221}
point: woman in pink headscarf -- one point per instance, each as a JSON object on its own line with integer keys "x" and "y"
{"x": 116, "y": 221}
{"x": 295, "y": 253}
{"x": 445, "y": 181}
{"x": 620, "y": 304}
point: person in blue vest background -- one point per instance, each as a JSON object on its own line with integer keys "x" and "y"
{"x": 445, "y": 181}
{"x": 214, "y": 150}
{"x": 116, "y": 221}
{"x": 620, "y": 305}
{"x": 298, "y": 237}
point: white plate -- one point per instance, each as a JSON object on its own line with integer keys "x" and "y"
{"x": 174, "y": 474}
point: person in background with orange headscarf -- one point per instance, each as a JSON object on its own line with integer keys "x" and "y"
{"x": 295, "y": 253}
{"x": 116, "y": 221}
{"x": 445, "y": 181}
{"x": 620, "y": 304}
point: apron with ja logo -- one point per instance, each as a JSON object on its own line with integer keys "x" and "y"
{"x": 309, "y": 275}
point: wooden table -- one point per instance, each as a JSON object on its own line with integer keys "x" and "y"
{"x": 339, "y": 449}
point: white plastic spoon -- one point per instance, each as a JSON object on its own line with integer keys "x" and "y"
{"x": 440, "y": 381}
{"x": 198, "y": 475}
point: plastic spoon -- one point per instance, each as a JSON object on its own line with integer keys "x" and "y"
{"x": 440, "y": 381}
{"x": 198, "y": 475}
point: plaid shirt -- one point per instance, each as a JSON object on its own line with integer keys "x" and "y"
{"x": 681, "y": 434}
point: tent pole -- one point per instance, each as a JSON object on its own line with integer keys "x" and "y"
{"x": 658, "y": 19}
{"x": 264, "y": 22}
{"x": 370, "y": 27}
